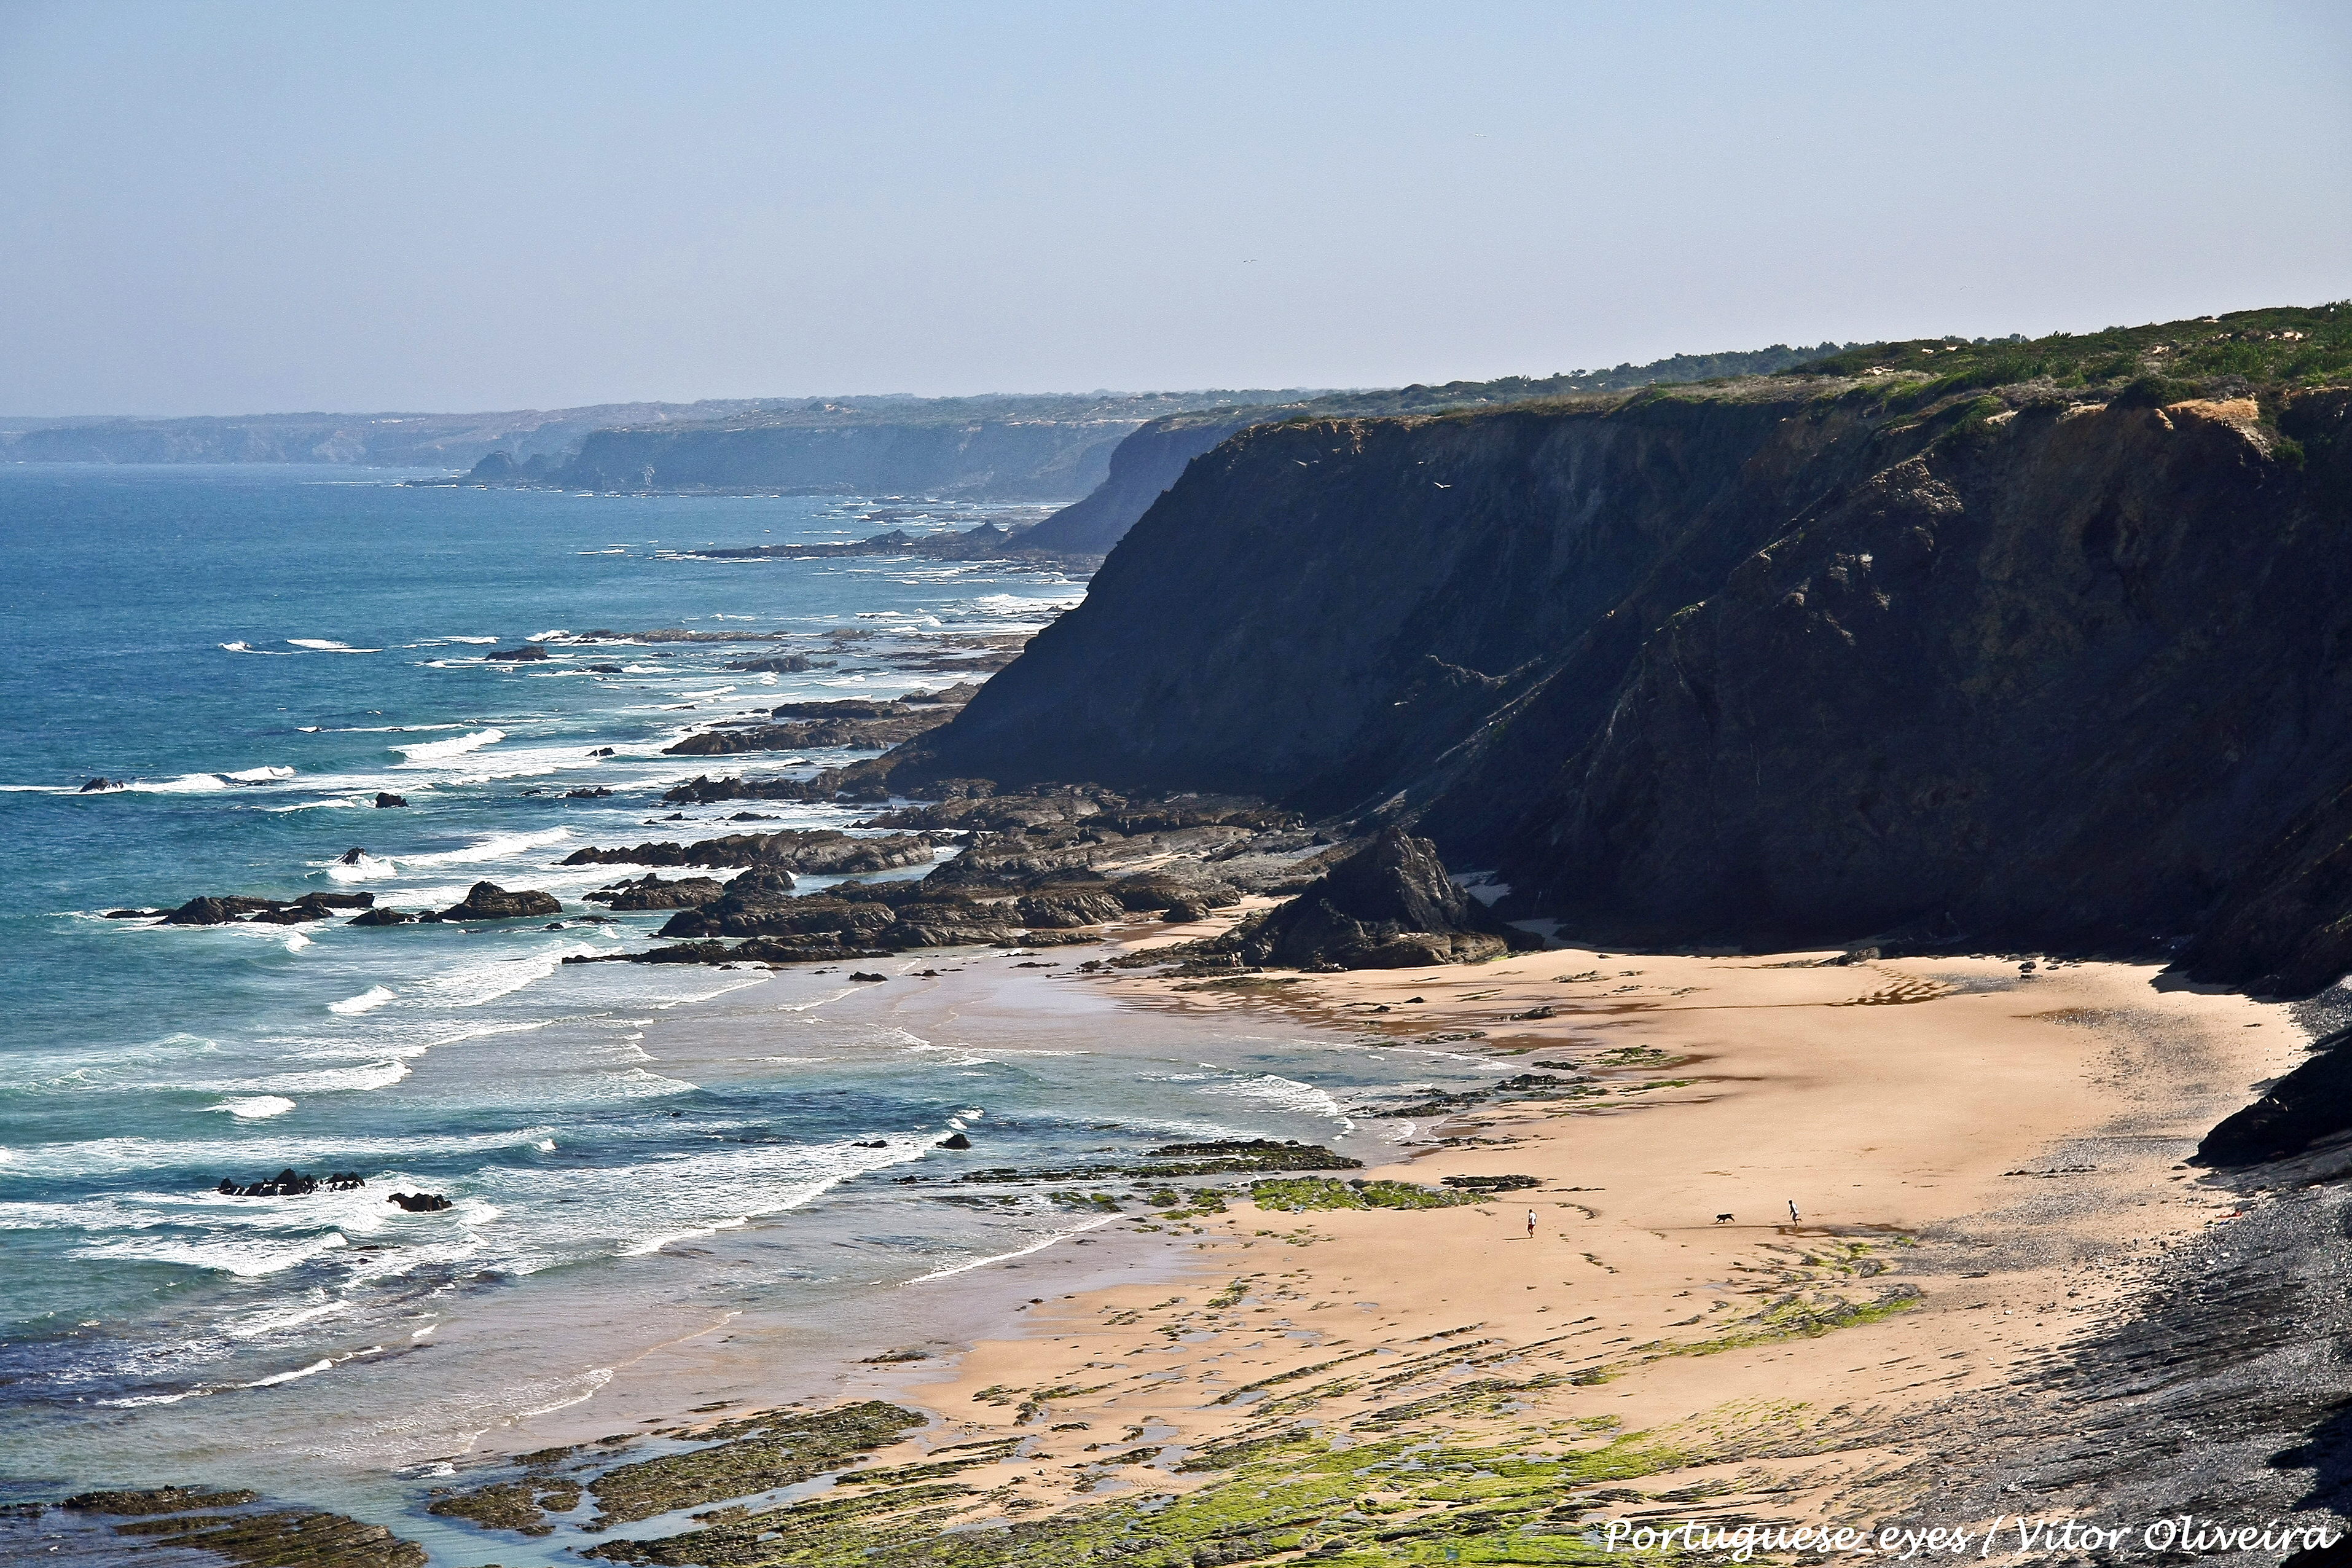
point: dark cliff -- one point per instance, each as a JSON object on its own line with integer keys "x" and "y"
{"x": 2043, "y": 651}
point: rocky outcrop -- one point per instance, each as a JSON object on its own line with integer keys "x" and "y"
{"x": 488, "y": 901}
{"x": 421, "y": 1203}
{"x": 385, "y": 798}
{"x": 529, "y": 653}
{"x": 650, "y": 892}
{"x": 872, "y": 731}
{"x": 291, "y": 1184}
{"x": 1390, "y": 905}
{"x": 211, "y": 911}
{"x": 822, "y": 852}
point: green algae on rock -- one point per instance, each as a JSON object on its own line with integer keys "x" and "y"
{"x": 755, "y": 1455}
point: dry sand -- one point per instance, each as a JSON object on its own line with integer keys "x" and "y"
{"x": 1982, "y": 1161}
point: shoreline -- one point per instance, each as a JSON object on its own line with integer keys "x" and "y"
{"x": 1974, "y": 1153}
{"x": 1987, "y": 1166}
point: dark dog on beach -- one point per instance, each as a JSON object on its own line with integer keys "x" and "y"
{"x": 1722, "y": 1219}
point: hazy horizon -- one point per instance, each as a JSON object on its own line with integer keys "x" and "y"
{"x": 245, "y": 208}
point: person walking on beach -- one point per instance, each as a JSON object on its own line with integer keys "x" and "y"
{"x": 1792, "y": 1213}
{"x": 1531, "y": 1225}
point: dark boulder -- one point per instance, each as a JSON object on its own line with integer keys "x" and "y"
{"x": 384, "y": 798}
{"x": 1389, "y": 905}
{"x": 382, "y": 918}
{"x": 530, "y": 653}
{"x": 213, "y": 912}
{"x": 420, "y": 1202}
{"x": 955, "y": 1141}
{"x": 865, "y": 979}
{"x": 597, "y": 792}
{"x": 133, "y": 914}
{"x": 488, "y": 901}
{"x": 99, "y": 784}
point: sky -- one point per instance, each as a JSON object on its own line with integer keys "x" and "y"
{"x": 258, "y": 206}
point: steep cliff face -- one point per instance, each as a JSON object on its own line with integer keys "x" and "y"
{"x": 1323, "y": 610}
{"x": 2063, "y": 675}
{"x": 1786, "y": 660}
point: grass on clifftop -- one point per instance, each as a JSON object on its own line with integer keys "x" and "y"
{"x": 2283, "y": 347}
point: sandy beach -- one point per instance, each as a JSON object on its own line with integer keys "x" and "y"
{"x": 1981, "y": 1156}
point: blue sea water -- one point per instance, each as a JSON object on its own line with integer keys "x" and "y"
{"x": 637, "y": 1155}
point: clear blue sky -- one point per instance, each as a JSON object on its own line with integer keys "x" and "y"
{"x": 214, "y": 208}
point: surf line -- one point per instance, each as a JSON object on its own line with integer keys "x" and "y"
{"x": 1023, "y": 1252}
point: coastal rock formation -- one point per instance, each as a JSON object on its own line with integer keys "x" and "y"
{"x": 1390, "y": 905}
{"x": 871, "y": 726}
{"x": 819, "y": 852}
{"x": 529, "y": 653}
{"x": 421, "y": 1203}
{"x": 290, "y": 1183}
{"x": 211, "y": 911}
{"x": 650, "y": 892}
{"x": 383, "y": 917}
{"x": 2022, "y": 644}
{"x": 384, "y": 798}
{"x": 488, "y": 901}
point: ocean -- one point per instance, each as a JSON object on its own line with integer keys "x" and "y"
{"x": 665, "y": 1181}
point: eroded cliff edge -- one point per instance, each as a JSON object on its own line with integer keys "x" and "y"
{"x": 2058, "y": 661}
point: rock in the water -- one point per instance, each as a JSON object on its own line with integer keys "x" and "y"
{"x": 603, "y": 751}
{"x": 599, "y": 793}
{"x": 955, "y": 1141}
{"x": 385, "y": 798}
{"x": 530, "y": 653}
{"x": 420, "y": 1202}
{"x": 867, "y": 979}
{"x": 133, "y": 914}
{"x": 488, "y": 901}
{"x": 383, "y": 918}
{"x": 289, "y": 1183}
{"x": 354, "y": 855}
{"x": 1389, "y": 905}
{"x": 100, "y": 783}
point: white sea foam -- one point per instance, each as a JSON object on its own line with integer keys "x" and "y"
{"x": 296, "y": 942}
{"x": 333, "y": 1080}
{"x": 457, "y": 745}
{"x": 314, "y": 1368}
{"x": 249, "y": 647}
{"x": 367, "y": 868}
{"x": 471, "y": 985}
{"x": 496, "y": 846}
{"x": 255, "y": 1108}
{"x": 247, "y": 1258}
{"x": 367, "y": 1001}
{"x": 328, "y": 645}
{"x": 113, "y": 1156}
{"x": 199, "y": 783}
{"x": 1279, "y": 1093}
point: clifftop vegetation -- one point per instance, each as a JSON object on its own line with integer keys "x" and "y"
{"x": 2280, "y": 349}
